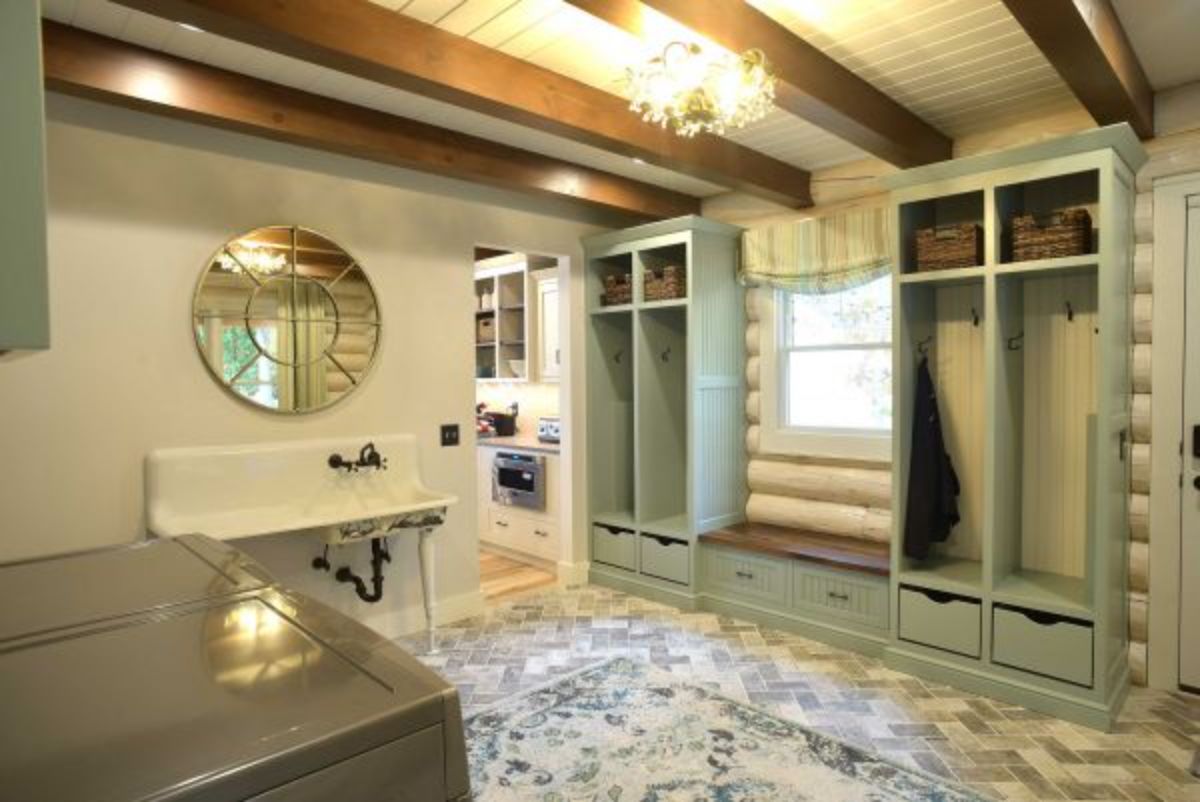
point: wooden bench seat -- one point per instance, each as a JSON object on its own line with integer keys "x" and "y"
{"x": 848, "y": 554}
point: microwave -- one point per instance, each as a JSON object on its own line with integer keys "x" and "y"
{"x": 519, "y": 480}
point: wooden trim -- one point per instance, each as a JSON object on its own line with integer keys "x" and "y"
{"x": 812, "y": 86}
{"x": 361, "y": 38}
{"x": 813, "y": 547}
{"x": 89, "y": 65}
{"x": 1085, "y": 42}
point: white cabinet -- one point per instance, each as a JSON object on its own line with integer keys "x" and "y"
{"x": 24, "y": 297}
{"x": 532, "y": 532}
{"x": 549, "y": 345}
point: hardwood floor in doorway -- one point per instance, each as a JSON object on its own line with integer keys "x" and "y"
{"x": 501, "y": 577}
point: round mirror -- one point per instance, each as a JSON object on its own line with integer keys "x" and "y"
{"x": 286, "y": 319}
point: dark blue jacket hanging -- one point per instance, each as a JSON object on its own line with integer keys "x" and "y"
{"x": 931, "y": 510}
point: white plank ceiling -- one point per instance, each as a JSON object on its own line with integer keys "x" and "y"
{"x": 963, "y": 65}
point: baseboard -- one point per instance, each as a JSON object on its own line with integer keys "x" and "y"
{"x": 1081, "y": 711}
{"x": 683, "y": 598}
{"x": 411, "y": 619}
{"x": 573, "y": 575}
{"x": 861, "y": 642}
{"x": 519, "y": 556}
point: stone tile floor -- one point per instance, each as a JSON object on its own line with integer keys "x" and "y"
{"x": 1004, "y": 751}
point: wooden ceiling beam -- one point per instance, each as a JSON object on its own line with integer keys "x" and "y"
{"x": 811, "y": 85}
{"x": 369, "y": 41}
{"x": 93, "y": 66}
{"x": 1086, "y": 43}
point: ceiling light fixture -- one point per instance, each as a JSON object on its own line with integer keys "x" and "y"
{"x": 259, "y": 260}
{"x": 189, "y": 27}
{"x": 691, "y": 91}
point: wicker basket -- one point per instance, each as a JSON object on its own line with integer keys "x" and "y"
{"x": 618, "y": 290}
{"x": 1065, "y": 233}
{"x": 665, "y": 284}
{"x": 948, "y": 247}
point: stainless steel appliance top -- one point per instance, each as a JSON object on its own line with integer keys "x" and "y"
{"x": 199, "y": 683}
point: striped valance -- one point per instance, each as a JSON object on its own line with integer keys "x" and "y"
{"x": 820, "y": 254}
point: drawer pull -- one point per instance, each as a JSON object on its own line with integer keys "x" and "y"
{"x": 664, "y": 541}
{"x": 744, "y": 575}
{"x": 839, "y": 596}
{"x": 502, "y": 524}
{"x": 615, "y": 530}
{"x": 541, "y": 533}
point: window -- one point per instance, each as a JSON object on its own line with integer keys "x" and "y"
{"x": 827, "y": 375}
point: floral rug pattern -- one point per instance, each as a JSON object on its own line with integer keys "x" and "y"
{"x": 626, "y": 731}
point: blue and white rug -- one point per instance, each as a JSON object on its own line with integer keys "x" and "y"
{"x": 625, "y": 731}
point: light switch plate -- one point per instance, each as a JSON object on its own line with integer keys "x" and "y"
{"x": 449, "y": 434}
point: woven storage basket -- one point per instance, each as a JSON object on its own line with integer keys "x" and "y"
{"x": 618, "y": 290}
{"x": 1065, "y": 233}
{"x": 948, "y": 247}
{"x": 665, "y": 284}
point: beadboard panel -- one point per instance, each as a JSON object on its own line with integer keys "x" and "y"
{"x": 1059, "y": 399}
{"x": 958, "y": 374}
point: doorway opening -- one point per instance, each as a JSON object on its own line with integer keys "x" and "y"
{"x": 524, "y": 488}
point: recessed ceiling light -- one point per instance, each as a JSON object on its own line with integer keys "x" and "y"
{"x": 191, "y": 28}
{"x": 637, "y": 160}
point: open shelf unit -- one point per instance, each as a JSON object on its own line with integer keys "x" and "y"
{"x": 504, "y": 326}
{"x": 665, "y": 402}
{"x": 1030, "y": 363}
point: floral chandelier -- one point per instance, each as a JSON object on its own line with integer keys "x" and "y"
{"x": 259, "y": 260}
{"x": 691, "y": 92}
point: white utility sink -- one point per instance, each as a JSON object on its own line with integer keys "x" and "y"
{"x": 230, "y": 492}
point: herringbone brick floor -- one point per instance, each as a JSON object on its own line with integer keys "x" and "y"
{"x": 1004, "y": 751}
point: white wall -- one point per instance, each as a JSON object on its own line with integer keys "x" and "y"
{"x": 137, "y": 204}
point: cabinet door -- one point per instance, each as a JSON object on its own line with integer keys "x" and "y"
{"x": 24, "y": 299}
{"x": 549, "y": 350}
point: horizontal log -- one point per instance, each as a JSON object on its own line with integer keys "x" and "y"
{"x": 1137, "y": 617}
{"x": 753, "y": 374}
{"x": 337, "y": 382}
{"x": 1143, "y": 267}
{"x": 1143, "y": 318}
{"x": 754, "y": 406}
{"x": 755, "y": 297}
{"x": 1142, "y": 369}
{"x": 1139, "y": 517}
{"x": 1140, "y": 417}
{"x": 752, "y": 439}
{"x": 355, "y": 363}
{"x": 1169, "y": 155}
{"x": 1139, "y": 567}
{"x": 1137, "y": 663}
{"x": 862, "y": 487}
{"x": 864, "y": 523}
{"x": 753, "y": 332}
{"x": 1140, "y": 467}
{"x": 1143, "y": 217}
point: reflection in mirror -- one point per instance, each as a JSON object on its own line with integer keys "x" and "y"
{"x": 286, "y": 319}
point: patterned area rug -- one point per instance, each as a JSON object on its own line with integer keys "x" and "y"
{"x": 625, "y": 731}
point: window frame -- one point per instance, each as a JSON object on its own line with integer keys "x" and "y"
{"x": 775, "y": 436}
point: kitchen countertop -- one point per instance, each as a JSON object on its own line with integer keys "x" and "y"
{"x": 518, "y": 442}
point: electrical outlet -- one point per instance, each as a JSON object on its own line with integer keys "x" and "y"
{"x": 449, "y": 434}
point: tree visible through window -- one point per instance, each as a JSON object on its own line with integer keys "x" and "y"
{"x": 835, "y": 360}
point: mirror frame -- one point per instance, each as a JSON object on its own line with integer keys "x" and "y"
{"x": 227, "y": 386}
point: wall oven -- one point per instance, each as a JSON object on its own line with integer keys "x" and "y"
{"x": 519, "y": 480}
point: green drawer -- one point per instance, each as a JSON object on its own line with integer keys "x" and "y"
{"x": 942, "y": 620}
{"x": 665, "y": 558}
{"x": 853, "y": 597}
{"x": 736, "y": 574}
{"x": 1043, "y": 643}
{"x": 612, "y": 545}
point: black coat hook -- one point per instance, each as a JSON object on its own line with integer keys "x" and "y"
{"x": 666, "y": 355}
{"x": 1070, "y": 313}
{"x": 974, "y": 317}
{"x": 923, "y": 346}
{"x": 617, "y": 356}
{"x": 1015, "y": 342}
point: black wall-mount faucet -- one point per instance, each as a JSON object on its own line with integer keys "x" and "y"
{"x": 368, "y": 457}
